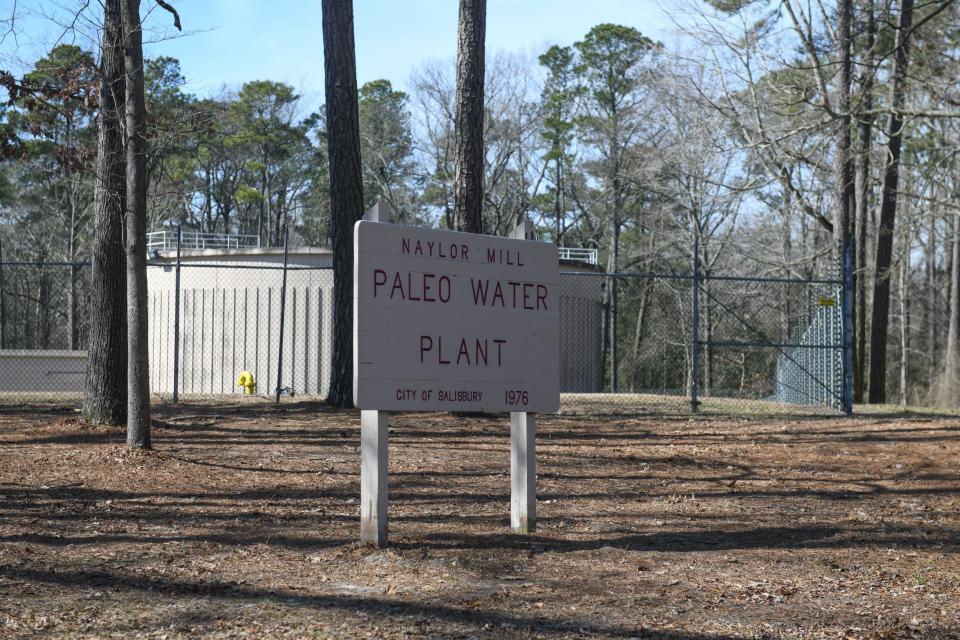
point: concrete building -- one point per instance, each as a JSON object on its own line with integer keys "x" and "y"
{"x": 230, "y": 320}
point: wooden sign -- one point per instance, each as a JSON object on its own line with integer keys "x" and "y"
{"x": 454, "y": 321}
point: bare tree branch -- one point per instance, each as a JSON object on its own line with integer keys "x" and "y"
{"x": 176, "y": 16}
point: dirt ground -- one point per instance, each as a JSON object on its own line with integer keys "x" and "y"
{"x": 243, "y": 523}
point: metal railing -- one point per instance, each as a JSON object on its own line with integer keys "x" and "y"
{"x": 576, "y": 254}
{"x": 167, "y": 241}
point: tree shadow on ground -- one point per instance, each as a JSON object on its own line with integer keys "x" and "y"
{"x": 381, "y": 607}
{"x": 761, "y": 538}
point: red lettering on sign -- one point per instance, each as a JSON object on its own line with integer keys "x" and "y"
{"x": 427, "y": 277}
{"x": 504, "y": 256}
{"x": 410, "y": 287}
{"x": 470, "y": 352}
{"x": 397, "y": 284}
{"x": 497, "y": 293}
{"x": 376, "y": 280}
{"x": 428, "y": 347}
{"x": 440, "y": 359}
{"x": 513, "y": 288}
{"x": 463, "y": 353}
{"x": 499, "y": 344}
{"x": 444, "y": 297}
{"x": 416, "y": 287}
{"x": 480, "y": 288}
{"x": 526, "y": 295}
{"x": 436, "y": 249}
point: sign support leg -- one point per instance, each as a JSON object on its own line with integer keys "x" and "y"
{"x": 374, "y": 429}
{"x": 523, "y": 472}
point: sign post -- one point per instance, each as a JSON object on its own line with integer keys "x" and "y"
{"x": 448, "y": 321}
{"x": 374, "y": 431}
{"x": 523, "y": 459}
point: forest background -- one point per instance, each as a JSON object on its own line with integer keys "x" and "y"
{"x": 729, "y": 132}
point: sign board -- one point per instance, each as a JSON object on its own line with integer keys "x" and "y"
{"x": 454, "y": 321}
{"x": 826, "y": 301}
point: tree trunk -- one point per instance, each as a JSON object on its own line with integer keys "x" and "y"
{"x": 557, "y": 203}
{"x": 42, "y": 340}
{"x": 273, "y": 240}
{"x": 105, "y": 390}
{"x": 636, "y": 380}
{"x": 888, "y": 209}
{"x": 74, "y": 320}
{"x": 904, "y": 321}
{"x": 951, "y": 362}
{"x": 208, "y": 200}
{"x": 864, "y": 135}
{"x": 346, "y": 184}
{"x": 930, "y": 312}
{"x": 605, "y": 318}
{"x": 786, "y": 250}
{"x": 468, "y": 158}
{"x": 843, "y": 221}
{"x": 613, "y": 308}
{"x": 279, "y": 222}
{"x": 706, "y": 312}
{"x": 72, "y": 195}
{"x": 138, "y": 381}
{"x": 706, "y": 351}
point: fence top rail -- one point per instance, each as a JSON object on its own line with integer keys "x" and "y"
{"x": 43, "y": 353}
{"x": 43, "y": 263}
{"x": 750, "y": 344}
{"x": 774, "y": 279}
{"x": 653, "y": 275}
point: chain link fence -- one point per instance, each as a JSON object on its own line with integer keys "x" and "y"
{"x": 258, "y": 322}
{"x": 43, "y": 329}
{"x": 758, "y": 345}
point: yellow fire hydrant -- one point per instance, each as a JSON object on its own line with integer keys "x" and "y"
{"x": 247, "y": 382}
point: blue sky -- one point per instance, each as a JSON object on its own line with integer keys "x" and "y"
{"x": 281, "y": 39}
{"x": 232, "y": 41}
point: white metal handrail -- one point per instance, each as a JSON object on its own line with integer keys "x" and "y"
{"x": 167, "y": 240}
{"x": 577, "y": 254}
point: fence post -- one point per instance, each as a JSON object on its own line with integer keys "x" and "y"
{"x": 283, "y": 312}
{"x": 176, "y": 321}
{"x": 695, "y": 327}
{"x": 848, "y": 253}
{"x": 3, "y": 302}
{"x": 613, "y": 333}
